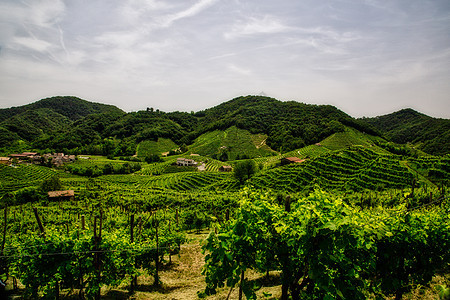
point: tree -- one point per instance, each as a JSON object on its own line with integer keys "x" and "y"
{"x": 51, "y": 184}
{"x": 244, "y": 170}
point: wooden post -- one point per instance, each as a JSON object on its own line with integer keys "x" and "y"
{"x": 5, "y": 225}
{"x": 157, "y": 253}
{"x": 284, "y": 257}
{"x": 41, "y": 227}
{"x": 97, "y": 240}
{"x": 287, "y": 204}
{"x": 131, "y": 228}
{"x": 133, "y": 283}
{"x": 83, "y": 225}
{"x": 140, "y": 226}
{"x": 227, "y": 214}
{"x": 241, "y": 284}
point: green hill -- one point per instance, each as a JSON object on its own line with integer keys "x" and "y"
{"x": 351, "y": 137}
{"x": 231, "y": 144}
{"x": 32, "y": 124}
{"x": 429, "y": 134}
{"x": 48, "y": 118}
{"x": 288, "y": 125}
{"x": 149, "y": 147}
{"x": 250, "y": 126}
{"x": 71, "y": 107}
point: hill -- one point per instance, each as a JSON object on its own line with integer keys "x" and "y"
{"x": 40, "y": 122}
{"x": 265, "y": 125}
{"x": 31, "y": 124}
{"x": 431, "y": 135}
{"x": 288, "y": 125}
{"x": 230, "y": 144}
{"x": 71, "y": 107}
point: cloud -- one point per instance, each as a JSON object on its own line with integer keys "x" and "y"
{"x": 185, "y": 54}
{"x": 256, "y": 25}
{"x": 32, "y": 43}
{"x": 239, "y": 70}
{"x": 195, "y": 9}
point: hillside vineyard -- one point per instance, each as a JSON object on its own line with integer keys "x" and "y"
{"x": 252, "y": 198}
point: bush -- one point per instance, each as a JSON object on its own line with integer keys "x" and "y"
{"x": 244, "y": 170}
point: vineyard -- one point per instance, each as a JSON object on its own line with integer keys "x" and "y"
{"x": 17, "y": 177}
{"x": 352, "y": 221}
{"x": 354, "y": 169}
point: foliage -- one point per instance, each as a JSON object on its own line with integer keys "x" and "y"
{"x": 51, "y": 184}
{"x": 327, "y": 249}
{"x": 289, "y": 125}
{"x": 244, "y": 170}
{"x": 408, "y": 126}
{"x": 152, "y": 158}
{"x": 29, "y": 194}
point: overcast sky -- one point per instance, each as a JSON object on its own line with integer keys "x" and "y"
{"x": 366, "y": 57}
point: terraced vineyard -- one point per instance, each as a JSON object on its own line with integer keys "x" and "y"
{"x": 351, "y": 137}
{"x": 187, "y": 181}
{"x": 146, "y": 148}
{"x": 355, "y": 169}
{"x": 234, "y": 141}
{"x": 14, "y": 178}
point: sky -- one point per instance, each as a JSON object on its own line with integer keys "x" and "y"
{"x": 366, "y": 57}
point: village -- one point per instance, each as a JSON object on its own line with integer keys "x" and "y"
{"x": 55, "y": 159}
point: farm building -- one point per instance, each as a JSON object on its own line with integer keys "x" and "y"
{"x": 19, "y": 156}
{"x": 62, "y": 195}
{"x": 5, "y": 160}
{"x": 186, "y": 162}
{"x": 291, "y": 160}
{"x": 225, "y": 169}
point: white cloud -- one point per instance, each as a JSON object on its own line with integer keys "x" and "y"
{"x": 185, "y": 54}
{"x": 31, "y": 43}
{"x": 256, "y": 25}
{"x": 195, "y": 9}
{"x": 239, "y": 70}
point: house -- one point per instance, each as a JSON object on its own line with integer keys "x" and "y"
{"x": 5, "y": 160}
{"x": 291, "y": 160}
{"x": 30, "y": 154}
{"x": 186, "y": 162}
{"x": 225, "y": 169}
{"x": 61, "y": 195}
{"x": 19, "y": 156}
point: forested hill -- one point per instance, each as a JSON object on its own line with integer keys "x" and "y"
{"x": 431, "y": 135}
{"x": 71, "y": 107}
{"x": 47, "y": 118}
{"x": 289, "y": 125}
{"x": 70, "y": 124}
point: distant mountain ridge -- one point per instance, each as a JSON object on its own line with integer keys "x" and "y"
{"x": 431, "y": 135}
{"x": 71, "y": 107}
{"x": 79, "y": 126}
